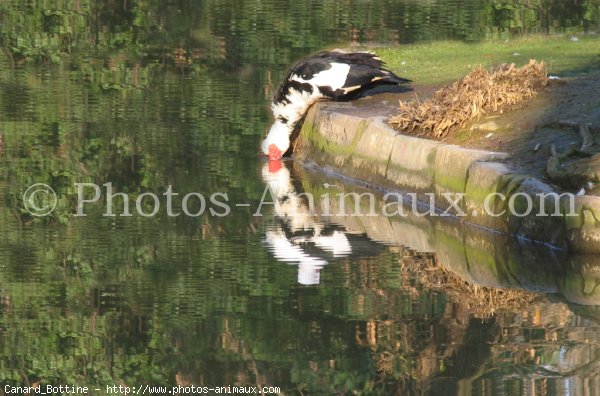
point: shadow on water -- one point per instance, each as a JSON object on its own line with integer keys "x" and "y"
{"x": 478, "y": 256}
{"x": 483, "y": 275}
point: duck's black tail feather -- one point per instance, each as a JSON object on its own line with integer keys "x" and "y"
{"x": 394, "y": 79}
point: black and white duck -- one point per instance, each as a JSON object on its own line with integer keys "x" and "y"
{"x": 326, "y": 75}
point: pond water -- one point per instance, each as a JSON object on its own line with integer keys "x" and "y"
{"x": 171, "y": 97}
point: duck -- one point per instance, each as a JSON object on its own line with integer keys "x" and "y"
{"x": 326, "y": 75}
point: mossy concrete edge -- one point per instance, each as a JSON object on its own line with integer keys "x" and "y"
{"x": 367, "y": 149}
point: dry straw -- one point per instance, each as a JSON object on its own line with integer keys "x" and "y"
{"x": 480, "y": 92}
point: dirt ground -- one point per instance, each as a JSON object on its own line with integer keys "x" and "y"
{"x": 526, "y": 132}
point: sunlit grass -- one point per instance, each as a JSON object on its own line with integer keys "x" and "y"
{"x": 443, "y": 61}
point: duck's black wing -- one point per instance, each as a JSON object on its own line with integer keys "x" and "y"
{"x": 364, "y": 70}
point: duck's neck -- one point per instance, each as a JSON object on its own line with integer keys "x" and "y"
{"x": 294, "y": 107}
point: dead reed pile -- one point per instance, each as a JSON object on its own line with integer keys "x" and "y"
{"x": 480, "y": 92}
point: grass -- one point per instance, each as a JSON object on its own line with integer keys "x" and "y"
{"x": 441, "y": 62}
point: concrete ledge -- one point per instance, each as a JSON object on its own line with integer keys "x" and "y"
{"x": 583, "y": 230}
{"x": 412, "y": 162}
{"x": 365, "y": 148}
{"x": 486, "y": 178}
{"x": 452, "y": 165}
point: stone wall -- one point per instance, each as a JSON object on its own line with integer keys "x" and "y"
{"x": 366, "y": 149}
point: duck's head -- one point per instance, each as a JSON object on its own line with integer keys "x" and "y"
{"x": 277, "y": 141}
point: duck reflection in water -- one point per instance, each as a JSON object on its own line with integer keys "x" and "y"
{"x": 298, "y": 237}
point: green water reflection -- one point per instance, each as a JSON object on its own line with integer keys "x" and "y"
{"x": 152, "y": 94}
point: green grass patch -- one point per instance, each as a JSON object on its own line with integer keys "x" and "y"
{"x": 444, "y": 61}
{"x": 463, "y": 135}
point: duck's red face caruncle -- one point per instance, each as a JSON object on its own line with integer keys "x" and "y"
{"x": 274, "y": 153}
{"x": 277, "y": 141}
